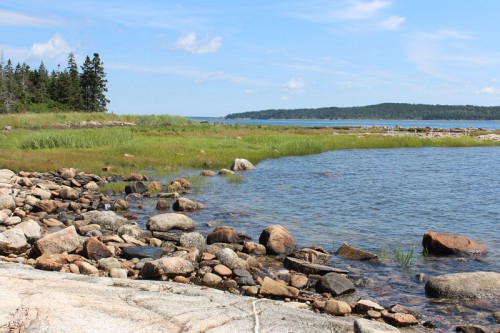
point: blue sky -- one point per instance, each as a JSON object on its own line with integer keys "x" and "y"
{"x": 212, "y": 58}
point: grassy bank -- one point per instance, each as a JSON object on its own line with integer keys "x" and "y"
{"x": 41, "y": 144}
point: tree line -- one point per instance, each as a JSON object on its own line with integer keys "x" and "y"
{"x": 380, "y": 111}
{"x": 23, "y": 89}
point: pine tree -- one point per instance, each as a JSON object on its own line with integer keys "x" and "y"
{"x": 10, "y": 84}
{"x": 41, "y": 81}
{"x": 93, "y": 82}
{"x": 2, "y": 85}
{"x": 75, "y": 99}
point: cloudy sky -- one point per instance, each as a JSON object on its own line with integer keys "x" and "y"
{"x": 212, "y": 58}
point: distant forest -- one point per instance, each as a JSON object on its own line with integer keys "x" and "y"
{"x": 23, "y": 89}
{"x": 380, "y": 111}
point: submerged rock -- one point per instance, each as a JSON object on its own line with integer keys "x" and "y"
{"x": 471, "y": 285}
{"x": 186, "y": 205}
{"x": 350, "y": 252}
{"x": 446, "y": 244}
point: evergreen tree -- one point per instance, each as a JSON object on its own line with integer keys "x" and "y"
{"x": 10, "y": 84}
{"x": 2, "y": 85}
{"x": 93, "y": 82}
{"x": 41, "y": 82}
{"x": 75, "y": 99}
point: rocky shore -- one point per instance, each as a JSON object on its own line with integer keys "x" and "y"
{"x": 59, "y": 221}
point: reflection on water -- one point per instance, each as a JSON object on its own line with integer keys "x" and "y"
{"x": 373, "y": 199}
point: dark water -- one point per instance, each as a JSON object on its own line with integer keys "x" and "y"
{"x": 379, "y": 200}
{"x": 485, "y": 124}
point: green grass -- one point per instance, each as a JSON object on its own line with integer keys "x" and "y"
{"x": 164, "y": 144}
{"x": 403, "y": 258}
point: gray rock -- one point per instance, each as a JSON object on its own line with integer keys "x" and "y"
{"x": 92, "y": 186}
{"x": 216, "y": 247}
{"x": 131, "y": 229}
{"x": 168, "y": 221}
{"x": 136, "y": 187}
{"x": 193, "y": 240}
{"x": 141, "y": 252}
{"x": 12, "y": 220}
{"x": 335, "y": 284}
{"x": 3, "y": 216}
{"x": 170, "y": 266}
{"x": 470, "y": 285}
{"x": 211, "y": 280}
{"x": 65, "y": 240}
{"x": 226, "y": 172}
{"x": 106, "y": 264}
{"x": 118, "y": 273}
{"x": 7, "y": 202}
{"x": 69, "y": 193}
{"x": 107, "y": 220}
{"x": 13, "y": 241}
{"x": 186, "y": 205}
{"x": 230, "y": 259}
{"x": 31, "y": 230}
{"x": 31, "y": 200}
{"x": 241, "y": 164}
{"x": 42, "y": 194}
{"x": 370, "y": 326}
{"x": 7, "y": 177}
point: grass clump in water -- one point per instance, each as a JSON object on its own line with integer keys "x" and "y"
{"x": 404, "y": 258}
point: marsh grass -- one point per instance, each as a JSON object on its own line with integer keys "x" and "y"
{"x": 115, "y": 186}
{"x": 77, "y": 139}
{"x": 403, "y": 258}
{"x": 167, "y": 148}
{"x": 234, "y": 178}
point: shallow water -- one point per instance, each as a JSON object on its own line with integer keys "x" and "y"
{"x": 379, "y": 200}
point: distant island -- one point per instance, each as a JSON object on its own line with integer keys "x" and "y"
{"x": 380, "y": 111}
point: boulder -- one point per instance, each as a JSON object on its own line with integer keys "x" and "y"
{"x": 226, "y": 172}
{"x": 55, "y": 262}
{"x": 155, "y": 186}
{"x": 120, "y": 205}
{"x": 223, "y": 234}
{"x": 277, "y": 240}
{"x": 67, "y": 173}
{"x": 230, "y": 259}
{"x": 41, "y": 193}
{"x": 399, "y": 319}
{"x": 91, "y": 186}
{"x": 472, "y": 285}
{"x": 447, "y": 244}
{"x": 13, "y": 241}
{"x": 106, "y": 264}
{"x": 335, "y": 284}
{"x": 337, "y": 308}
{"x": 69, "y": 193}
{"x": 134, "y": 177}
{"x": 141, "y": 252}
{"x": 65, "y": 240}
{"x": 118, "y": 273}
{"x": 240, "y": 164}
{"x": 222, "y": 270}
{"x": 254, "y": 248}
{"x": 193, "y": 240}
{"x": 7, "y": 202}
{"x": 350, "y": 252}
{"x": 131, "y": 229}
{"x": 169, "y": 266}
{"x": 106, "y": 219}
{"x": 88, "y": 269}
{"x": 168, "y": 221}
{"x": 3, "y": 216}
{"x": 186, "y": 205}
{"x": 31, "y": 230}
{"x": 182, "y": 181}
{"x": 274, "y": 288}
{"x": 306, "y": 267}
{"x": 370, "y": 326}
{"x": 207, "y": 173}
{"x": 47, "y": 206}
{"x": 311, "y": 255}
{"x": 136, "y": 187}
{"x": 211, "y": 280}
{"x": 162, "y": 204}
{"x": 12, "y": 220}
{"x": 7, "y": 178}
{"x": 299, "y": 281}
{"x": 95, "y": 250}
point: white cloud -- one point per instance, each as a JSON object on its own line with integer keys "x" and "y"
{"x": 295, "y": 85}
{"x": 8, "y": 17}
{"x": 362, "y": 10}
{"x": 488, "y": 91}
{"x": 190, "y": 43}
{"x": 393, "y": 22}
{"x": 55, "y": 47}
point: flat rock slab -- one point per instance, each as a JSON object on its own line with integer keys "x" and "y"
{"x": 142, "y": 252}
{"x": 40, "y": 301}
{"x": 306, "y": 267}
